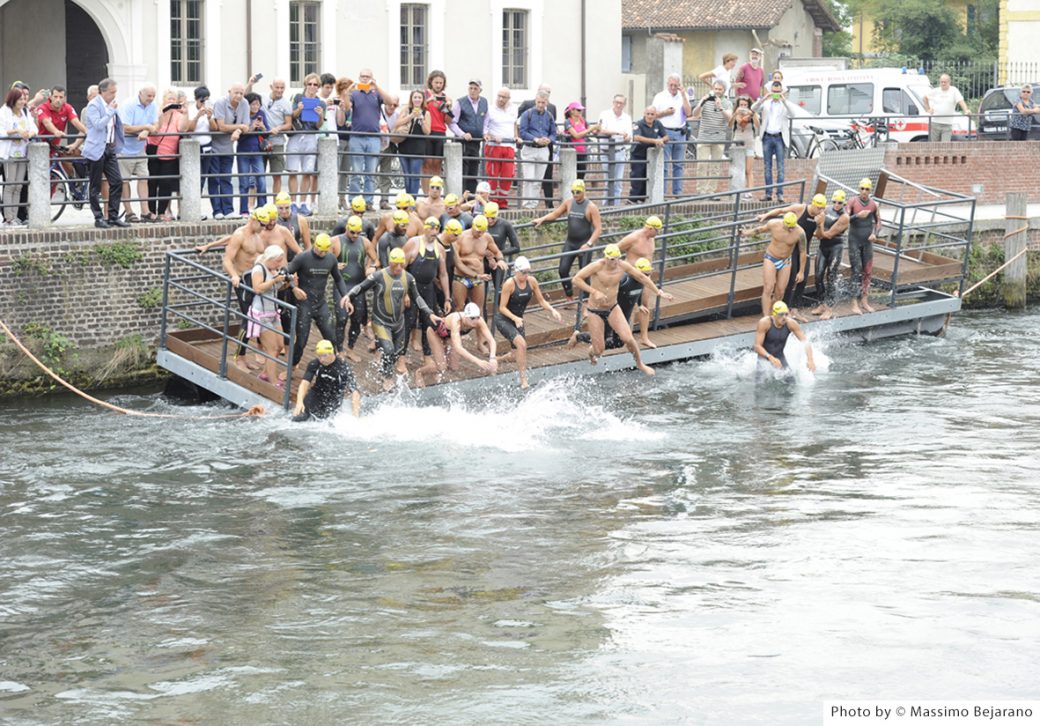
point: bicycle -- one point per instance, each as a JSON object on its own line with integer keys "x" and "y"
{"x": 63, "y": 189}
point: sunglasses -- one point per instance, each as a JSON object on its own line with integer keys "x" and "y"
{"x": 313, "y": 84}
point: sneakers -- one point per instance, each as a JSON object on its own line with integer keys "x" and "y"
{"x": 304, "y": 210}
{"x": 295, "y": 208}
{"x": 218, "y": 215}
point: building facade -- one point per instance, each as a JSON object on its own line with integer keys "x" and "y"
{"x": 521, "y": 43}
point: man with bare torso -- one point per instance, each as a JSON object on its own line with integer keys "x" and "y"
{"x": 785, "y": 235}
{"x": 243, "y": 249}
{"x": 403, "y": 203}
{"x": 471, "y": 248}
{"x": 637, "y": 245}
{"x": 600, "y": 280}
{"x": 433, "y": 205}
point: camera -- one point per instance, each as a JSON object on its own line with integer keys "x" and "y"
{"x": 284, "y": 272}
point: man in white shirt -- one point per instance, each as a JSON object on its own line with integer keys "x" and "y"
{"x": 615, "y": 128}
{"x": 279, "y": 115}
{"x": 721, "y": 73}
{"x": 776, "y": 113}
{"x": 673, "y": 108}
{"x": 500, "y": 146}
{"x": 941, "y": 103}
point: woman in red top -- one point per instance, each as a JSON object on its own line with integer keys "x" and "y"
{"x": 164, "y": 165}
{"x": 439, "y": 105}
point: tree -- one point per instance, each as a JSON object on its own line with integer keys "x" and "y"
{"x": 838, "y": 44}
{"x": 921, "y": 29}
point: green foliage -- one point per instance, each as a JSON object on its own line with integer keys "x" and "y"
{"x": 54, "y": 349}
{"x": 838, "y": 44}
{"x": 183, "y": 325}
{"x": 123, "y": 254}
{"x": 919, "y": 28}
{"x": 26, "y": 264}
{"x": 150, "y": 299}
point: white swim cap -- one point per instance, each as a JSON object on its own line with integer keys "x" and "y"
{"x": 471, "y": 311}
{"x": 521, "y": 263}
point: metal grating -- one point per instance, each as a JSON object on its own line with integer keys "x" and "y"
{"x": 848, "y": 166}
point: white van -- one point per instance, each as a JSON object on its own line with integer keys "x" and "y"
{"x": 871, "y": 92}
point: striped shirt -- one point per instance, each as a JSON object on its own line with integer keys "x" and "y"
{"x": 713, "y": 120}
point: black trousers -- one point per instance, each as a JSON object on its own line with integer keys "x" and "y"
{"x": 547, "y": 184}
{"x": 307, "y": 311}
{"x": 638, "y": 180}
{"x": 571, "y": 255}
{"x": 414, "y": 318}
{"x": 470, "y": 165}
{"x": 356, "y": 320}
{"x": 108, "y": 167}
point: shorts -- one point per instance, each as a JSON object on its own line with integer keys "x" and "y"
{"x": 133, "y": 167}
{"x": 435, "y": 144}
{"x": 508, "y": 329}
{"x": 301, "y": 153}
{"x": 276, "y": 159}
{"x": 777, "y": 262}
{"x": 254, "y": 327}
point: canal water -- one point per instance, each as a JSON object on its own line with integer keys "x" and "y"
{"x": 692, "y": 548}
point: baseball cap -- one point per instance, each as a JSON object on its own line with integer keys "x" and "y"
{"x": 574, "y": 105}
{"x": 397, "y": 255}
{"x": 472, "y": 310}
{"x": 757, "y": 50}
{"x": 476, "y": 82}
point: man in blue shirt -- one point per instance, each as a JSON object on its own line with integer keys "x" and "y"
{"x": 103, "y": 143}
{"x": 140, "y": 118}
{"x": 364, "y": 104}
{"x": 537, "y": 131}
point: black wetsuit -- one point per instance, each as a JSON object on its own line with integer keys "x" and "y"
{"x": 828, "y": 260}
{"x": 464, "y": 218}
{"x": 861, "y": 249}
{"x": 793, "y": 293}
{"x": 314, "y": 273}
{"x": 508, "y": 243}
{"x": 293, "y": 225}
{"x": 775, "y": 340}
{"x": 517, "y": 305}
{"x": 328, "y": 385}
{"x": 353, "y": 255}
{"x": 387, "y": 311}
{"x": 424, "y": 268}
{"x": 368, "y": 229}
{"x": 579, "y": 230}
{"x": 387, "y": 242}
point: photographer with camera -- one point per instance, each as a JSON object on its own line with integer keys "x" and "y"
{"x": 268, "y": 274}
{"x": 163, "y": 160}
{"x": 714, "y": 112}
{"x": 439, "y": 106}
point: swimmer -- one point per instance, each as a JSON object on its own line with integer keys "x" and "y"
{"x": 584, "y": 227}
{"x": 810, "y": 216}
{"x": 828, "y": 258}
{"x": 517, "y": 293}
{"x": 445, "y": 338}
{"x": 635, "y": 246}
{"x": 771, "y": 337}
{"x": 864, "y": 225}
{"x": 785, "y": 235}
{"x": 324, "y": 382}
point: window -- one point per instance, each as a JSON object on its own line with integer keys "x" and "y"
{"x": 514, "y": 48}
{"x": 304, "y": 39}
{"x": 186, "y": 41}
{"x": 850, "y": 99}
{"x": 808, "y": 97}
{"x": 414, "y": 45}
{"x": 896, "y": 100}
{"x": 626, "y": 53}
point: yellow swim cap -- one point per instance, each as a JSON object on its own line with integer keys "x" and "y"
{"x": 397, "y": 255}
{"x": 838, "y": 196}
{"x": 354, "y": 224}
{"x": 358, "y": 203}
{"x": 612, "y": 251}
{"x": 654, "y": 222}
{"x": 819, "y": 200}
{"x": 323, "y": 347}
{"x": 436, "y": 181}
{"x": 865, "y": 183}
{"x": 451, "y": 200}
{"x": 432, "y": 223}
{"x": 480, "y": 223}
{"x": 400, "y": 217}
{"x": 790, "y": 219}
{"x": 283, "y": 198}
{"x": 401, "y": 200}
{"x": 578, "y": 185}
{"x": 322, "y": 242}
{"x": 453, "y": 226}
{"x": 272, "y": 210}
{"x": 779, "y": 307}
{"x": 491, "y": 210}
{"x": 261, "y": 215}
{"x": 643, "y": 265}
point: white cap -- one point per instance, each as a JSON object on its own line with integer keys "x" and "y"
{"x": 521, "y": 263}
{"x": 471, "y": 311}
{"x": 483, "y": 188}
{"x": 272, "y": 252}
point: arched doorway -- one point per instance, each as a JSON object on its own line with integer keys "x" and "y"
{"x": 86, "y": 53}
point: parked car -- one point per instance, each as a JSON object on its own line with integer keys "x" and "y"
{"x": 995, "y": 109}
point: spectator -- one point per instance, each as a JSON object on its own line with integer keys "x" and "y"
{"x": 301, "y": 158}
{"x": 721, "y": 72}
{"x": 387, "y": 149}
{"x": 547, "y": 183}
{"x": 776, "y": 112}
{"x": 500, "y": 146}
{"x": 439, "y": 105}
{"x": 615, "y": 126}
{"x": 251, "y": 148}
{"x": 673, "y": 108}
{"x": 537, "y": 132}
{"x": 1024, "y": 113}
{"x": 468, "y": 117}
{"x": 231, "y": 120}
{"x": 776, "y": 76}
{"x": 327, "y": 94}
{"x": 199, "y": 123}
{"x": 164, "y": 165}
{"x": 81, "y": 164}
{"x": 576, "y": 129}
{"x": 31, "y": 104}
{"x": 101, "y": 149}
{"x": 714, "y": 112}
{"x": 139, "y": 119}
{"x": 278, "y": 111}
{"x": 744, "y": 126}
{"x": 363, "y": 104}
{"x": 53, "y": 119}
{"x": 342, "y": 121}
{"x": 941, "y": 103}
{"x": 648, "y": 132}
{"x": 415, "y": 123}
{"x": 16, "y": 127}
{"x": 751, "y": 76}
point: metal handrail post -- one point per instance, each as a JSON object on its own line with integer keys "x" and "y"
{"x": 895, "y": 262}
{"x": 967, "y": 246}
{"x": 165, "y": 301}
{"x": 290, "y": 353}
{"x": 734, "y": 256}
{"x": 229, "y": 293}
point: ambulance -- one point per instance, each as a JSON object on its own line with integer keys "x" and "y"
{"x": 895, "y": 93}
